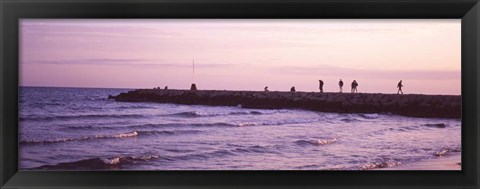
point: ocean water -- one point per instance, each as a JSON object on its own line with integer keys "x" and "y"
{"x": 80, "y": 129}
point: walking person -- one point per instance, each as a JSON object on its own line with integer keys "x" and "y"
{"x": 321, "y": 86}
{"x": 399, "y": 86}
{"x": 340, "y": 84}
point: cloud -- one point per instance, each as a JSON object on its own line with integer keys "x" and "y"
{"x": 128, "y": 62}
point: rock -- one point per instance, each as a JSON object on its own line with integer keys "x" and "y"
{"x": 432, "y": 106}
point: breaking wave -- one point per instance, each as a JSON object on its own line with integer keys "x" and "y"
{"x": 316, "y": 142}
{"x": 120, "y": 162}
{"x": 378, "y": 165}
{"x": 120, "y": 135}
{"x": 445, "y": 151}
{"x": 97, "y": 163}
{"x": 193, "y": 114}
{"x": 215, "y": 124}
{"x": 370, "y": 116}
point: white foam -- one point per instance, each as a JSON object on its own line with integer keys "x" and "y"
{"x": 125, "y": 135}
{"x": 111, "y": 161}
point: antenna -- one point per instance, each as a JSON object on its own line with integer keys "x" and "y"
{"x": 193, "y": 73}
{"x": 193, "y": 87}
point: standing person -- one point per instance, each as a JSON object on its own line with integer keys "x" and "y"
{"x": 353, "y": 86}
{"x": 340, "y": 84}
{"x": 321, "y": 86}
{"x": 356, "y": 85}
{"x": 292, "y": 89}
{"x": 265, "y": 89}
{"x": 399, "y": 86}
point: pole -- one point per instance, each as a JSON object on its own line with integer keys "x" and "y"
{"x": 193, "y": 74}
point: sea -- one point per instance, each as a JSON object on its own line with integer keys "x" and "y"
{"x": 81, "y": 129}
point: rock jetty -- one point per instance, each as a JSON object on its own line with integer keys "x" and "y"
{"x": 412, "y": 105}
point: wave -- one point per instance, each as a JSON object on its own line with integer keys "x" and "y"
{"x": 217, "y": 153}
{"x": 84, "y": 116}
{"x": 445, "y": 151}
{"x": 399, "y": 129}
{"x": 378, "y": 165}
{"x": 193, "y": 114}
{"x": 97, "y": 163}
{"x": 408, "y": 128}
{"x": 253, "y": 149}
{"x": 436, "y": 125}
{"x": 224, "y": 124}
{"x": 120, "y": 135}
{"x": 120, "y": 162}
{"x": 370, "y": 116}
{"x": 176, "y": 150}
{"x": 147, "y": 126}
{"x": 134, "y": 107}
{"x": 316, "y": 142}
{"x": 197, "y": 156}
{"x": 349, "y": 120}
{"x": 274, "y": 122}
{"x": 360, "y": 117}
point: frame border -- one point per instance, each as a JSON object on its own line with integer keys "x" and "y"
{"x": 13, "y": 10}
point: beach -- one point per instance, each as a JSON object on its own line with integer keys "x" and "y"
{"x": 450, "y": 162}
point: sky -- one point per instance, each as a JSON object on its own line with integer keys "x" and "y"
{"x": 235, "y": 54}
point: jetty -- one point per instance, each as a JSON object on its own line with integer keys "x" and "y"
{"x": 412, "y": 105}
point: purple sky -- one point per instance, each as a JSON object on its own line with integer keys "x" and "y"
{"x": 243, "y": 54}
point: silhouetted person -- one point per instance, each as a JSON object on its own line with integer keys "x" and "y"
{"x": 292, "y": 89}
{"x": 354, "y": 86}
{"x": 266, "y": 89}
{"x": 166, "y": 87}
{"x": 193, "y": 87}
{"x": 340, "y": 84}
{"x": 399, "y": 86}
{"x": 321, "y": 86}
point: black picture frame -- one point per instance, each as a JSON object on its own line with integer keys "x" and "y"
{"x": 13, "y": 10}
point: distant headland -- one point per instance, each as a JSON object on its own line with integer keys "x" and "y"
{"x": 412, "y": 105}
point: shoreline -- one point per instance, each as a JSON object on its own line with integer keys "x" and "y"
{"x": 411, "y": 105}
{"x": 450, "y": 162}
